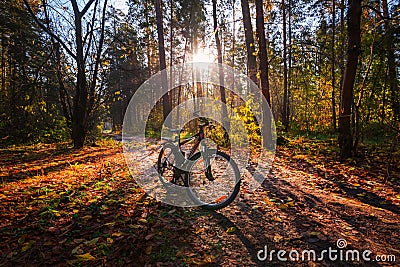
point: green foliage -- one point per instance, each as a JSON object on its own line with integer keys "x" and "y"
{"x": 30, "y": 107}
{"x": 125, "y": 67}
{"x": 108, "y": 142}
{"x": 219, "y": 136}
{"x": 244, "y": 115}
{"x": 154, "y": 122}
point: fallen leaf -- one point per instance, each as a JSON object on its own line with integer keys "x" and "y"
{"x": 85, "y": 257}
{"x": 199, "y": 230}
{"x": 148, "y": 250}
{"x": 231, "y": 230}
{"x": 283, "y": 206}
{"x": 77, "y": 249}
{"x": 92, "y": 242}
{"x": 268, "y": 202}
{"x": 118, "y": 234}
{"x": 277, "y": 238}
{"x": 87, "y": 217}
{"x": 27, "y": 245}
{"x": 276, "y": 219}
{"x": 312, "y": 234}
{"x": 78, "y": 240}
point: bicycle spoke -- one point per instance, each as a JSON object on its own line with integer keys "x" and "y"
{"x": 222, "y": 188}
{"x": 165, "y": 166}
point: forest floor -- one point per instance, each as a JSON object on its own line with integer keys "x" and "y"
{"x": 61, "y": 206}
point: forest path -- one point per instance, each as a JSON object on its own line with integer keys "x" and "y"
{"x": 61, "y": 206}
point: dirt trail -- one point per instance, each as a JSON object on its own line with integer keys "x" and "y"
{"x": 61, "y": 206}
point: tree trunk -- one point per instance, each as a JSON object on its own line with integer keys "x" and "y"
{"x": 285, "y": 106}
{"x": 161, "y": 48}
{"x": 233, "y": 58}
{"x": 393, "y": 81}
{"x": 248, "y": 33}
{"x": 264, "y": 79}
{"x": 263, "y": 56}
{"x": 289, "y": 59}
{"x": 341, "y": 55}
{"x": 3, "y": 64}
{"x": 79, "y": 119}
{"x": 221, "y": 72}
{"x": 171, "y": 51}
{"x": 233, "y": 38}
{"x": 357, "y": 124}
{"x": 333, "y": 66}
{"x": 64, "y": 98}
{"x": 353, "y": 48}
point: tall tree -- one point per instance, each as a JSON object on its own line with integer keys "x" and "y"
{"x": 249, "y": 38}
{"x": 220, "y": 69}
{"x": 264, "y": 73}
{"x": 333, "y": 55}
{"x": 285, "y": 106}
{"x": 392, "y": 73}
{"x": 353, "y": 48}
{"x": 29, "y": 105}
{"x": 85, "y": 88}
{"x": 262, "y": 54}
{"x": 161, "y": 47}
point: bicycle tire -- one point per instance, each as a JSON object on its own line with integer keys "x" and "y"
{"x": 203, "y": 196}
{"x": 163, "y": 166}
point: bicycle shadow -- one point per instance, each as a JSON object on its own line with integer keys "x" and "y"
{"x": 293, "y": 231}
{"x": 226, "y": 223}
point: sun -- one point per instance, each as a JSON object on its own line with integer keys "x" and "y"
{"x": 203, "y": 56}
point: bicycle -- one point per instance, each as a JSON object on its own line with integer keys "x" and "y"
{"x": 212, "y": 176}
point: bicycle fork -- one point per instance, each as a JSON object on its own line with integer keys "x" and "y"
{"x": 206, "y": 154}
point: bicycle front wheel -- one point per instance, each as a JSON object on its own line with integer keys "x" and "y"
{"x": 213, "y": 180}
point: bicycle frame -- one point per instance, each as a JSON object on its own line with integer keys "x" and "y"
{"x": 194, "y": 147}
{"x": 198, "y": 137}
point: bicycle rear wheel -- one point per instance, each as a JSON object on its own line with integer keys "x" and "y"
{"x": 165, "y": 165}
{"x": 213, "y": 185}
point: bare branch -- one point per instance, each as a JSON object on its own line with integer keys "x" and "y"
{"x": 60, "y": 14}
{"x": 98, "y": 57}
{"x": 86, "y": 8}
{"x": 379, "y": 13}
{"x": 48, "y": 31}
{"x": 75, "y": 7}
{"x": 90, "y": 32}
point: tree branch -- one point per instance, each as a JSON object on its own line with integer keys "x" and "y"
{"x": 86, "y": 8}
{"x": 47, "y": 30}
{"x": 90, "y": 32}
{"x": 75, "y": 7}
{"x": 98, "y": 58}
{"x": 378, "y": 13}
